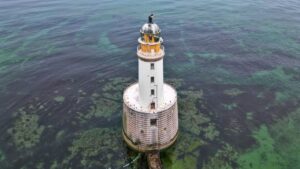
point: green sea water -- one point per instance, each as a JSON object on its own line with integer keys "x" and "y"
{"x": 64, "y": 65}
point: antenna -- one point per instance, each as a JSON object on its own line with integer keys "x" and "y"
{"x": 150, "y": 18}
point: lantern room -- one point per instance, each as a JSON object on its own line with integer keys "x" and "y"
{"x": 150, "y": 40}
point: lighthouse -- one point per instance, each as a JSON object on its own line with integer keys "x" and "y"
{"x": 150, "y": 113}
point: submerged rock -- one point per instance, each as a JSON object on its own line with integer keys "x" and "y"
{"x": 225, "y": 158}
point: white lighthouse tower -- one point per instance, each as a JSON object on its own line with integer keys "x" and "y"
{"x": 150, "y": 114}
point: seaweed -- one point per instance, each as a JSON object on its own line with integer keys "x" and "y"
{"x": 225, "y": 158}
{"x": 60, "y": 135}
{"x": 281, "y": 96}
{"x": 26, "y": 131}
{"x": 105, "y": 44}
{"x": 2, "y": 155}
{"x": 287, "y": 139}
{"x": 101, "y": 108}
{"x": 230, "y": 106}
{"x": 183, "y": 153}
{"x": 264, "y": 156}
{"x": 210, "y": 132}
{"x": 177, "y": 83}
{"x": 106, "y": 103}
{"x": 97, "y": 147}
{"x": 212, "y": 56}
{"x": 249, "y": 115}
{"x": 113, "y": 89}
{"x": 59, "y": 99}
{"x": 233, "y": 92}
{"x": 278, "y": 79}
{"x": 54, "y": 165}
{"x": 40, "y": 165}
{"x": 191, "y": 119}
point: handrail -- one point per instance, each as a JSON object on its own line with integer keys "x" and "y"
{"x": 152, "y": 43}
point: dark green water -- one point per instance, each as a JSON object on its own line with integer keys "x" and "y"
{"x": 64, "y": 65}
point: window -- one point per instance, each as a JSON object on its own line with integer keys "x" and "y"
{"x": 152, "y": 79}
{"x": 152, "y": 105}
{"x": 153, "y": 122}
{"x": 152, "y": 92}
{"x": 152, "y": 66}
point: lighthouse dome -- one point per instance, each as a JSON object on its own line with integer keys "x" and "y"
{"x": 150, "y": 28}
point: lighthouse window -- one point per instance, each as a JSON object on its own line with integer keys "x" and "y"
{"x": 152, "y": 66}
{"x": 152, "y": 92}
{"x": 152, "y": 105}
{"x": 152, "y": 79}
{"x": 153, "y": 122}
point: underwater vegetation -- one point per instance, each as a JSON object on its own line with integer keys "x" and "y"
{"x": 233, "y": 92}
{"x": 212, "y": 56}
{"x": 97, "y": 147}
{"x": 10, "y": 57}
{"x": 105, "y": 44}
{"x": 105, "y": 103}
{"x": 225, "y": 158}
{"x": 264, "y": 155}
{"x": 26, "y": 131}
{"x": 249, "y": 115}
{"x": 100, "y": 108}
{"x": 176, "y": 83}
{"x": 192, "y": 119}
{"x": 279, "y": 80}
{"x": 277, "y": 145}
{"x": 113, "y": 88}
{"x": 59, "y": 99}
{"x": 183, "y": 153}
{"x": 196, "y": 130}
{"x": 230, "y": 106}
{"x": 286, "y": 134}
{"x": 2, "y": 155}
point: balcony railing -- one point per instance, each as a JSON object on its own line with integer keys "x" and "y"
{"x": 160, "y": 41}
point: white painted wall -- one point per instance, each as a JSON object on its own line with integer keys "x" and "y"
{"x": 145, "y": 85}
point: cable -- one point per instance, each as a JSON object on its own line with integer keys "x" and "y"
{"x": 128, "y": 164}
{"x": 136, "y": 158}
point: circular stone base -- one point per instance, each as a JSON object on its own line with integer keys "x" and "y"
{"x": 148, "y": 148}
{"x": 145, "y": 129}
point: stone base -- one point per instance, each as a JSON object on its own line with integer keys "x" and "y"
{"x": 143, "y": 148}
